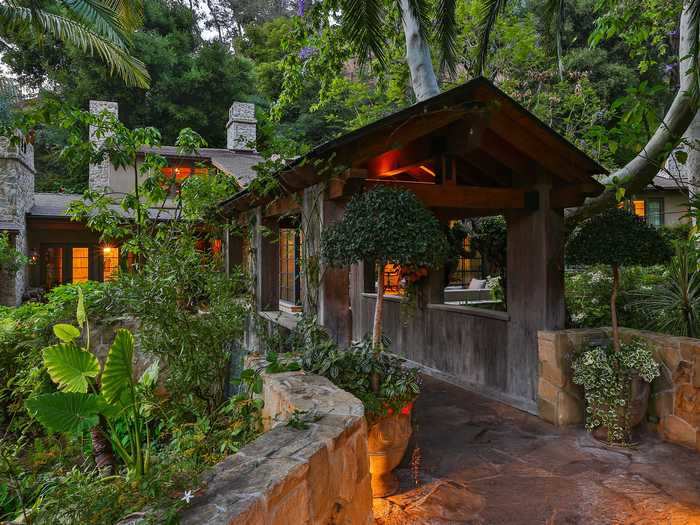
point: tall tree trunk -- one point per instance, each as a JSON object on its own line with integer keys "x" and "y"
{"x": 423, "y": 79}
{"x": 377, "y": 328}
{"x": 641, "y": 170}
{"x": 613, "y": 307}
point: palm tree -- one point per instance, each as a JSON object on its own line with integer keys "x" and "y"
{"x": 101, "y": 27}
{"x": 363, "y": 21}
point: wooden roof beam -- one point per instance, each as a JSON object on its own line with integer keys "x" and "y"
{"x": 473, "y": 197}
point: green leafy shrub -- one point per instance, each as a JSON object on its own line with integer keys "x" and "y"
{"x": 616, "y": 238}
{"x": 588, "y": 296}
{"x": 351, "y": 369}
{"x": 10, "y": 259}
{"x": 606, "y": 376}
{"x": 490, "y": 239}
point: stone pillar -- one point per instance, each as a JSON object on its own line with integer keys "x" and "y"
{"x": 335, "y": 313}
{"x": 535, "y": 287}
{"x": 267, "y": 263}
{"x": 241, "y": 127}
{"x": 16, "y": 199}
{"x": 99, "y": 174}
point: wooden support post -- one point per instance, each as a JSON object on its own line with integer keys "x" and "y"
{"x": 535, "y": 286}
{"x": 334, "y": 311}
{"x": 267, "y": 263}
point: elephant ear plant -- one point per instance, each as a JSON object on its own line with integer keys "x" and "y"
{"x": 612, "y": 376}
{"x": 385, "y": 225}
{"x": 90, "y": 397}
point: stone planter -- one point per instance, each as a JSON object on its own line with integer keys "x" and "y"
{"x": 638, "y": 407}
{"x": 387, "y": 442}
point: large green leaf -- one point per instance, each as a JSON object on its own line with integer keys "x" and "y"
{"x": 66, "y": 332}
{"x": 71, "y": 412}
{"x": 117, "y": 377}
{"x": 70, "y": 366}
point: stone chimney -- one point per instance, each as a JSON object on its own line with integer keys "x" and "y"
{"x": 100, "y": 173}
{"x": 16, "y": 199}
{"x": 241, "y": 127}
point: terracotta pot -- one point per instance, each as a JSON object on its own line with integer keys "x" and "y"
{"x": 386, "y": 444}
{"x": 638, "y": 407}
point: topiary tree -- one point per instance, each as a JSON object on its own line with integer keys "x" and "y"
{"x": 617, "y": 237}
{"x": 385, "y": 225}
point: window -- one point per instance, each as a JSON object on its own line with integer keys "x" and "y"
{"x": 651, "y": 210}
{"x": 467, "y": 268}
{"x": 655, "y": 212}
{"x": 392, "y": 279}
{"x": 289, "y": 248}
{"x": 110, "y": 262}
{"x": 80, "y": 265}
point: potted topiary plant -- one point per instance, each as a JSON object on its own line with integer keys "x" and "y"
{"x": 616, "y": 378}
{"x": 382, "y": 226}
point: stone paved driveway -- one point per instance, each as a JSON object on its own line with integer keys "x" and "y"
{"x": 485, "y": 463}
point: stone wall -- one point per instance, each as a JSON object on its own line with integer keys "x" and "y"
{"x": 318, "y": 474}
{"x": 16, "y": 199}
{"x": 674, "y": 407}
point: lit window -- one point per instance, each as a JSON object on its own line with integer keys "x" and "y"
{"x": 289, "y": 249}
{"x": 81, "y": 263}
{"x": 638, "y": 208}
{"x": 392, "y": 279}
{"x": 110, "y": 262}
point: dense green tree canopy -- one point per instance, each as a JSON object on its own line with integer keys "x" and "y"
{"x": 617, "y": 238}
{"x": 385, "y": 225}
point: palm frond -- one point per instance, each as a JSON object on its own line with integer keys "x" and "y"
{"x": 488, "y": 14}
{"x": 363, "y": 24}
{"x": 446, "y": 33}
{"x": 554, "y": 22}
{"x": 130, "y": 69}
{"x": 101, "y": 17}
{"x": 130, "y": 12}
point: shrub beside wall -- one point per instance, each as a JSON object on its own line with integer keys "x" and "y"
{"x": 674, "y": 408}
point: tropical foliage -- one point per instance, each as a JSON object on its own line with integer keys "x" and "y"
{"x": 10, "y": 258}
{"x": 95, "y": 27}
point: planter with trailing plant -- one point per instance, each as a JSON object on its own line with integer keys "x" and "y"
{"x": 386, "y": 226}
{"x": 616, "y": 377}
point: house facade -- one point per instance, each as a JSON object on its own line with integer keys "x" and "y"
{"x": 64, "y": 251}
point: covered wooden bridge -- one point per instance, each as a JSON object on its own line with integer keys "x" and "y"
{"x": 469, "y": 152}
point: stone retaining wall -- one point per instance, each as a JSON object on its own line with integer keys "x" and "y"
{"x": 674, "y": 407}
{"x": 318, "y": 474}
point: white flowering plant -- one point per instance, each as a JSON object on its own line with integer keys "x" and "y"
{"x": 606, "y": 376}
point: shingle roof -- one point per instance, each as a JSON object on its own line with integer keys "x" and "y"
{"x": 9, "y": 226}
{"x": 233, "y": 162}
{"x": 675, "y": 176}
{"x": 54, "y": 205}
